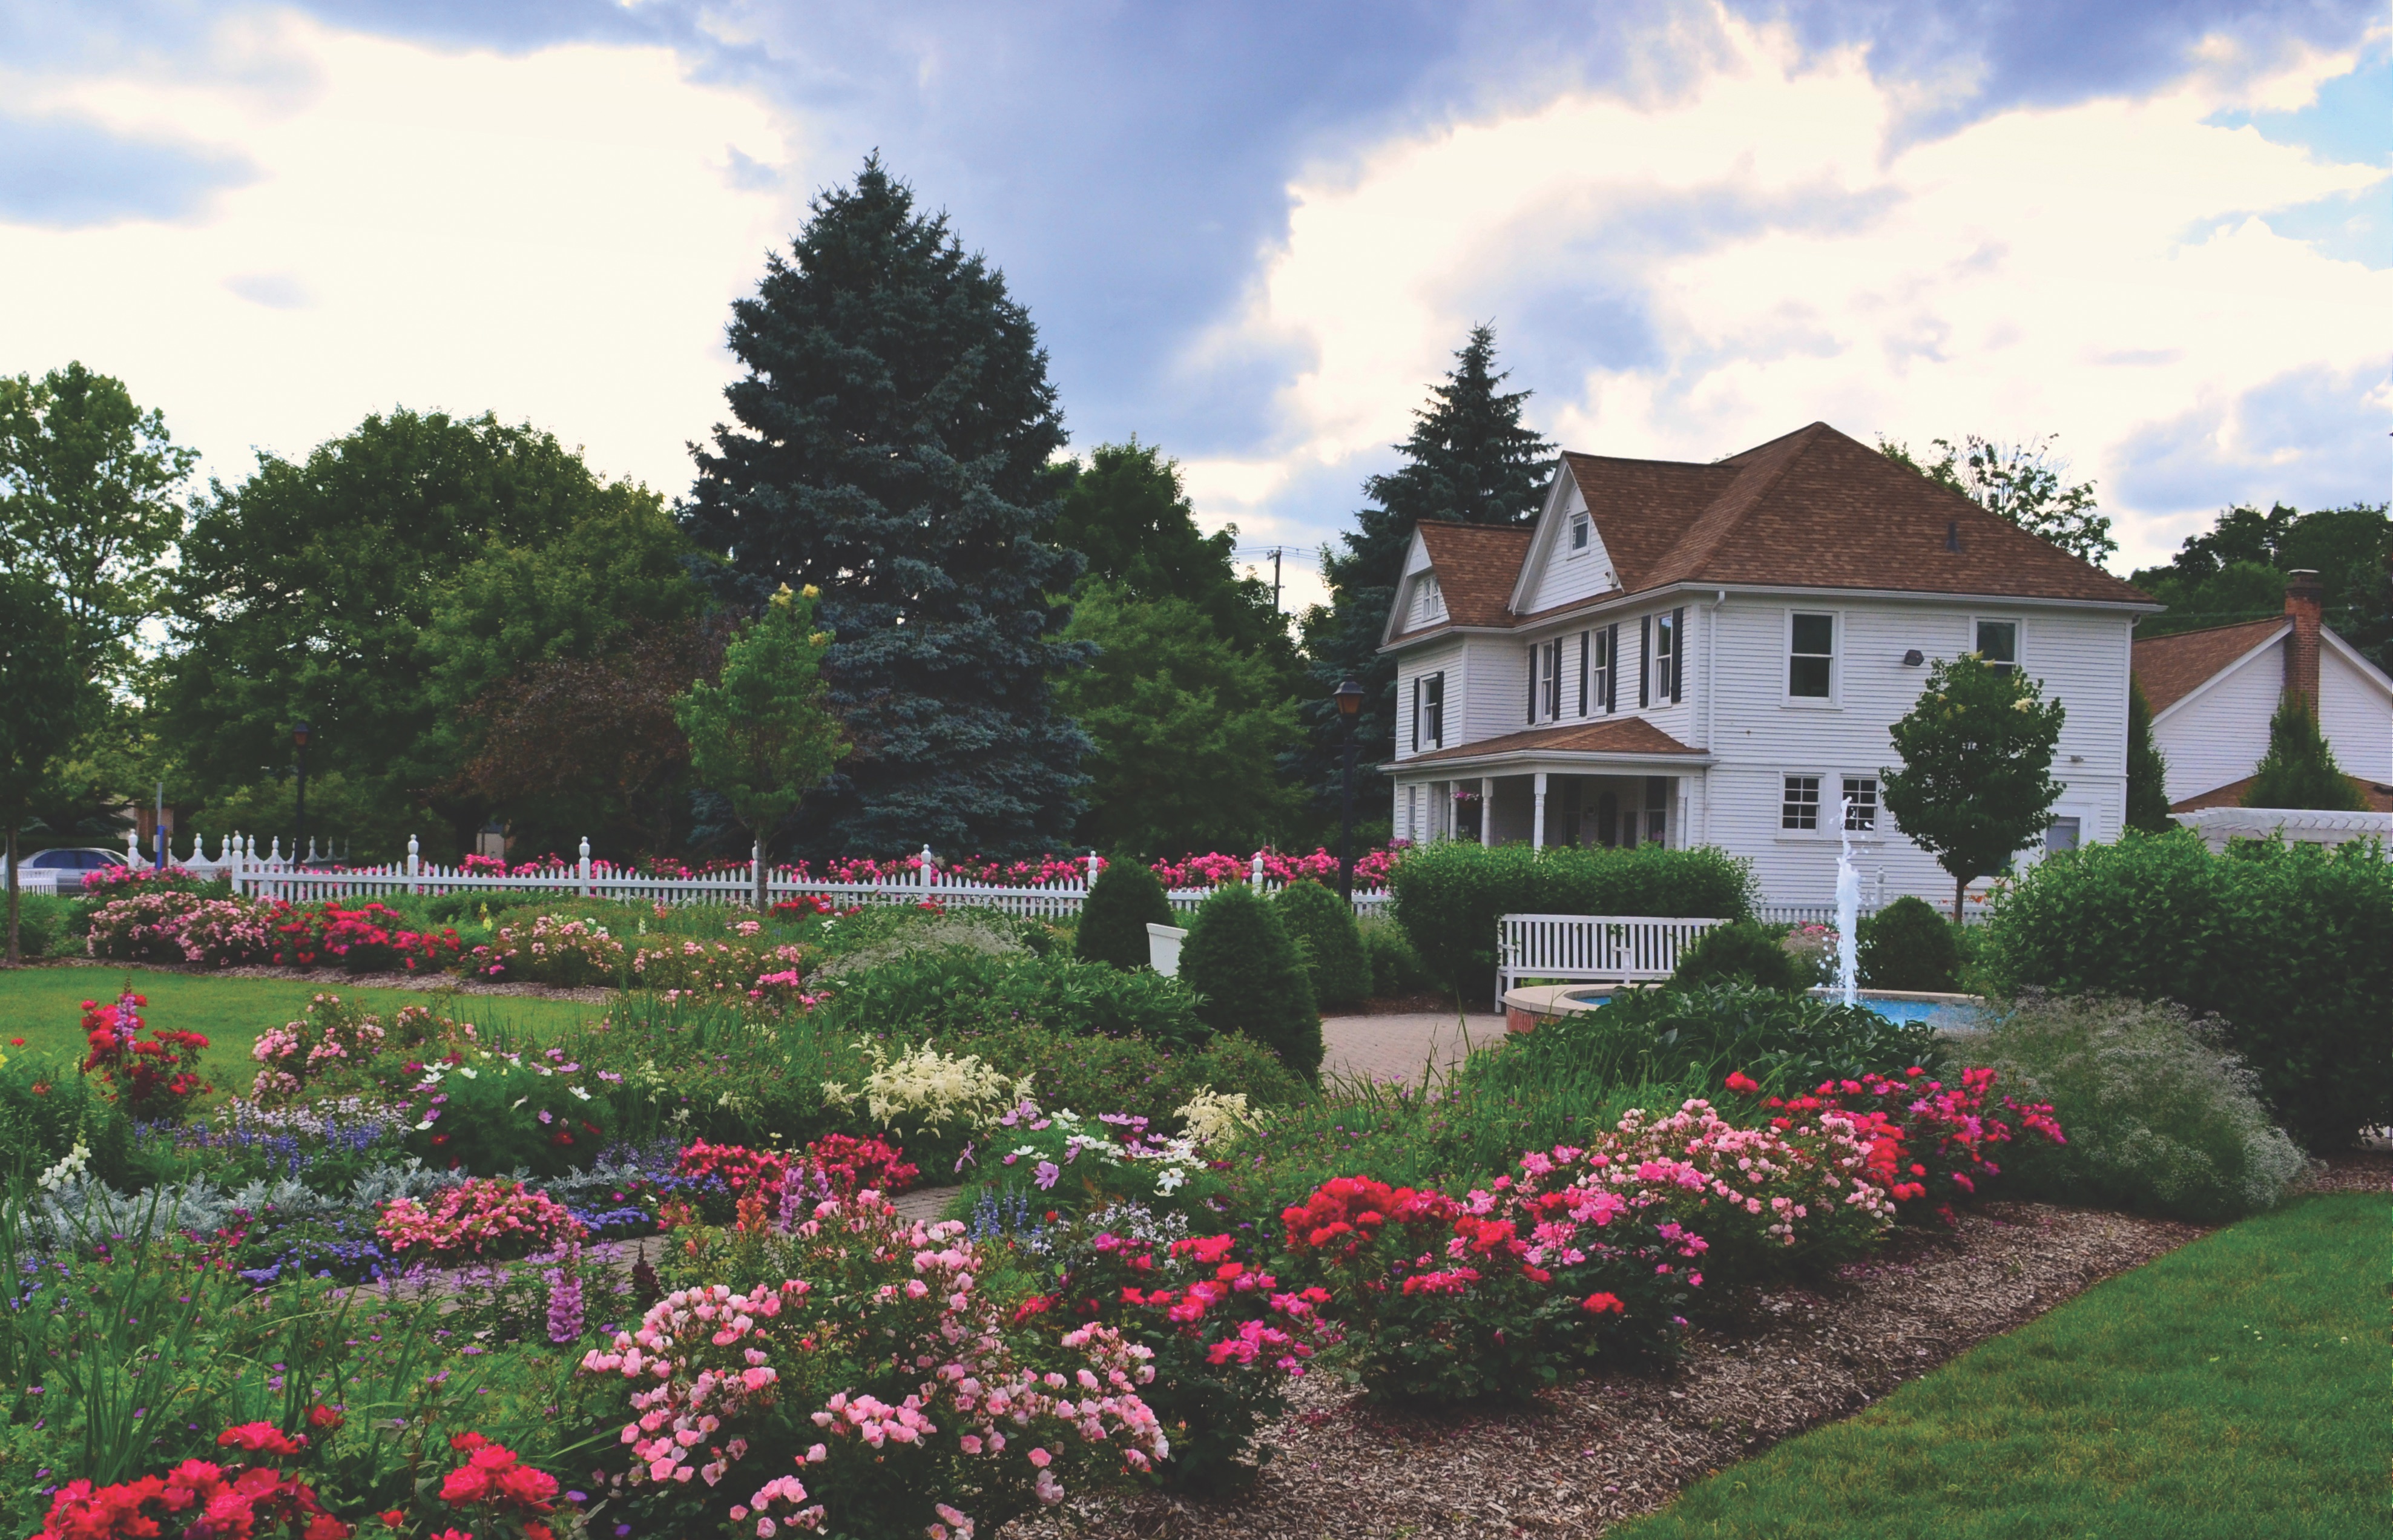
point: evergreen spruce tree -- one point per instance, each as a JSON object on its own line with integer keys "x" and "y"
{"x": 1125, "y": 899}
{"x": 1332, "y": 942}
{"x": 1469, "y": 461}
{"x": 1248, "y": 977}
{"x": 890, "y": 448}
{"x": 2148, "y": 803}
{"x": 2299, "y": 768}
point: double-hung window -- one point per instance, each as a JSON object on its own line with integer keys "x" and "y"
{"x": 1433, "y": 708}
{"x": 1799, "y": 803}
{"x": 1552, "y": 654}
{"x": 1860, "y": 804}
{"x": 1810, "y": 656}
{"x": 1997, "y": 643}
{"x": 1669, "y": 655}
{"x": 1578, "y": 533}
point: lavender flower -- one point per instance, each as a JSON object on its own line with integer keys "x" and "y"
{"x": 565, "y": 1298}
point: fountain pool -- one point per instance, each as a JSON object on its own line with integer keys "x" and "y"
{"x": 1943, "y": 1012}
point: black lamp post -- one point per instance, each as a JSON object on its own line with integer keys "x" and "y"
{"x": 1349, "y": 702}
{"x": 300, "y": 734}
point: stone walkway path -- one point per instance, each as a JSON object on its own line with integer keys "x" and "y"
{"x": 1400, "y": 1047}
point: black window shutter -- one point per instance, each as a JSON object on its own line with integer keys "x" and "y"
{"x": 1644, "y": 661}
{"x": 1417, "y": 693}
{"x": 1533, "y": 684}
{"x": 1582, "y": 674}
{"x": 1678, "y": 655}
{"x": 1437, "y": 710}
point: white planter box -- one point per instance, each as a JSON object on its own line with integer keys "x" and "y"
{"x": 1163, "y": 948}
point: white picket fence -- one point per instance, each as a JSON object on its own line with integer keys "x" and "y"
{"x": 277, "y": 876}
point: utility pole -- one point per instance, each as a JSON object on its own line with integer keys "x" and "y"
{"x": 1275, "y": 580}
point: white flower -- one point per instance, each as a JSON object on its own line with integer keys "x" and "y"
{"x": 67, "y": 1169}
{"x": 579, "y": 1091}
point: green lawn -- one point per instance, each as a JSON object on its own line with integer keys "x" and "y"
{"x": 2235, "y": 1389}
{"x": 45, "y": 1007}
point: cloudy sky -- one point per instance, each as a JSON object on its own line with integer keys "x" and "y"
{"x": 1251, "y": 233}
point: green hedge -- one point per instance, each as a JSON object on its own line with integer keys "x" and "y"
{"x": 1449, "y": 894}
{"x": 2291, "y": 945}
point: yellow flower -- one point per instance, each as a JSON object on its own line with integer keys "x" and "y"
{"x": 811, "y": 592}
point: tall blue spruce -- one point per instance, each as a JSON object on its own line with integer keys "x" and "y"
{"x": 891, "y": 437}
{"x": 1469, "y": 461}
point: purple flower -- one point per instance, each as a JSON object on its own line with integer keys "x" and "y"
{"x": 1046, "y": 1174}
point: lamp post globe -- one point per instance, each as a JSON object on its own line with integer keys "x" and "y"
{"x": 1349, "y": 705}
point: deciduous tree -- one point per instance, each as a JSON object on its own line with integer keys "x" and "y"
{"x": 44, "y": 691}
{"x": 2022, "y": 482}
{"x": 1976, "y": 784}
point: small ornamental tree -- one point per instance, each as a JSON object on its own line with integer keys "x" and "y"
{"x": 1909, "y": 946}
{"x": 2299, "y": 768}
{"x": 2148, "y": 803}
{"x": 1124, "y": 900}
{"x": 763, "y": 734}
{"x": 43, "y": 691}
{"x": 1248, "y": 977}
{"x": 1333, "y": 943}
{"x": 1976, "y": 784}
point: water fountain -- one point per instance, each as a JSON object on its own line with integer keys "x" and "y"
{"x": 1848, "y": 904}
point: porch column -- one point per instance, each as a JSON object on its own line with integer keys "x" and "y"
{"x": 1487, "y": 810}
{"x": 1538, "y": 819}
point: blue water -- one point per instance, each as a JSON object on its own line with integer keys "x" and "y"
{"x": 1950, "y": 1018}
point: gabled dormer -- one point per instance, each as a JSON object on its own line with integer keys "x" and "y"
{"x": 1567, "y": 562}
{"x": 1454, "y": 576}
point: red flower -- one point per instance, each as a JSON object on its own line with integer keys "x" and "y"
{"x": 321, "y": 1416}
{"x": 1743, "y": 1084}
{"x": 1596, "y": 1304}
{"x": 259, "y": 1438}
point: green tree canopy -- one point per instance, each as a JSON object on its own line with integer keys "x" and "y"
{"x": 763, "y": 736}
{"x": 44, "y": 691}
{"x": 1468, "y": 460}
{"x": 88, "y": 485}
{"x": 2022, "y": 482}
{"x": 2235, "y": 570}
{"x": 1976, "y": 784}
{"x": 371, "y": 589}
{"x": 890, "y": 448}
{"x": 2298, "y": 770}
{"x": 1188, "y": 730}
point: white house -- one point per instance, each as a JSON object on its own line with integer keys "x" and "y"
{"x": 2212, "y": 693}
{"x": 1713, "y": 654}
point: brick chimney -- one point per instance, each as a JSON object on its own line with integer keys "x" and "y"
{"x": 2306, "y": 607}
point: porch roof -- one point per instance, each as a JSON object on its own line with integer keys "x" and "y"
{"x": 1584, "y": 744}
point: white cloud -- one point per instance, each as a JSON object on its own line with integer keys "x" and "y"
{"x": 2094, "y": 269}
{"x": 554, "y": 237}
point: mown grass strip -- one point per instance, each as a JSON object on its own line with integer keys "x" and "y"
{"x": 45, "y": 1007}
{"x": 2235, "y": 1389}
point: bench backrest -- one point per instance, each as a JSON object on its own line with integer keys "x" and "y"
{"x": 1597, "y": 946}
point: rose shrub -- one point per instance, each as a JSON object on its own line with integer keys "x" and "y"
{"x": 858, "y": 1380}
{"x": 480, "y": 1218}
{"x": 155, "y": 1080}
{"x": 487, "y": 1112}
{"x": 1933, "y": 1144}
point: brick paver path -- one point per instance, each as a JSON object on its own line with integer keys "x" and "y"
{"x": 1398, "y": 1047}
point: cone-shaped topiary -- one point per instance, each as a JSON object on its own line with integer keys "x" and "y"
{"x": 2299, "y": 768}
{"x": 2148, "y": 803}
{"x": 1325, "y": 926}
{"x": 1249, "y": 978}
{"x": 1123, "y": 901}
{"x": 1909, "y": 946}
{"x": 1746, "y": 952}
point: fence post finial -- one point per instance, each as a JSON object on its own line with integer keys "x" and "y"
{"x": 132, "y": 848}
{"x": 1255, "y": 874}
{"x": 926, "y": 869}
{"x": 587, "y": 889}
{"x": 1093, "y": 866}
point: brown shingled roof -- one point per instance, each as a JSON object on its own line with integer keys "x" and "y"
{"x": 1476, "y": 565}
{"x": 1626, "y": 734}
{"x": 2378, "y": 797}
{"x": 2170, "y": 668}
{"x": 1816, "y": 509}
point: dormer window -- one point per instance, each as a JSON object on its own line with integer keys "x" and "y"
{"x": 1428, "y": 603}
{"x": 1578, "y": 533}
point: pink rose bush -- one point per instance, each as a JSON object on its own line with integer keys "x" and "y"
{"x": 1932, "y": 1144}
{"x": 554, "y": 949}
{"x": 867, "y": 1384}
{"x": 481, "y": 1218}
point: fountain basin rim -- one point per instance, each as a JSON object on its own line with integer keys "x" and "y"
{"x": 1527, "y": 1005}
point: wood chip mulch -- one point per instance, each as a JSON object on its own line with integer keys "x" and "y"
{"x": 1622, "y": 1443}
{"x": 427, "y": 982}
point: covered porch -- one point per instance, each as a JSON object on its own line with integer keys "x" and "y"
{"x": 1613, "y": 784}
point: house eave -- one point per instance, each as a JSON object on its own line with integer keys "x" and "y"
{"x": 1577, "y": 759}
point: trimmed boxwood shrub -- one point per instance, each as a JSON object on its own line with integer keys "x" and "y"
{"x": 1742, "y": 953}
{"x": 1909, "y": 946}
{"x": 2292, "y": 946}
{"x": 1449, "y": 894}
{"x": 1396, "y": 968}
{"x": 1124, "y": 900}
{"x": 1324, "y": 925}
{"x": 1248, "y": 977}
{"x": 962, "y": 990}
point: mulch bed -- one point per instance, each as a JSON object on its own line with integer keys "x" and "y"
{"x": 1622, "y": 1443}
{"x": 430, "y": 982}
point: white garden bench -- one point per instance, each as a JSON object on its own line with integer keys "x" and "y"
{"x": 1595, "y": 948}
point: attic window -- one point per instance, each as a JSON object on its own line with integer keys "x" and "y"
{"x": 1578, "y": 532}
{"x": 1428, "y": 603}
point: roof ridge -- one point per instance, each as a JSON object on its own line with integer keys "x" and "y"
{"x": 1703, "y": 535}
{"x": 2275, "y": 620}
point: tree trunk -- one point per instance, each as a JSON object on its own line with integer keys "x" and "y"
{"x": 12, "y": 893}
{"x": 1960, "y": 888}
{"x": 760, "y": 876}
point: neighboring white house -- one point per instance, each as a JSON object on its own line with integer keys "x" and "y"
{"x": 2212, "y": 693}
{"x": 1713, "y": 654}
